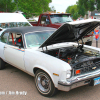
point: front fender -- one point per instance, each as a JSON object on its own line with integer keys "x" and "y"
{"x": 51, "y": 65}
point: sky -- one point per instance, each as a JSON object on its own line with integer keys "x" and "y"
{"x": 61, "y": 5}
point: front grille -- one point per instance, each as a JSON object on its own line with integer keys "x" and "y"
{"x": 87, "y": 66}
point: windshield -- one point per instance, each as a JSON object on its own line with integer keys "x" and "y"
{"x": 60, "y": 18}
{"x": 37, "y": 38}
{"x": 14, "y": 24}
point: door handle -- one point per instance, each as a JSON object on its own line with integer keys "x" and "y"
{"x": 5, "y": 47}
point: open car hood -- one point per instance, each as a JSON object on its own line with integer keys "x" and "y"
{"x": 72, "y": 31}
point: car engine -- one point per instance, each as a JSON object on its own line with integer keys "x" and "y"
{"x": 72, "y": 54}
{"x": 78, "y": 58}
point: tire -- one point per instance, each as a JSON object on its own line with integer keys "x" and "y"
{"x": 88, "y": 43}
{"x": 2, "y": 64}
{"x": 44, "y": 84}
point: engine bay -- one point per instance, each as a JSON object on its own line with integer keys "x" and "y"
{"x": 73, "y": 54}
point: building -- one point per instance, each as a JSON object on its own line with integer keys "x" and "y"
{"x": 95, "y": 14}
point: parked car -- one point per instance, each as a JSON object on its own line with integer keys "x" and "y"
{"x": 10, "y": 20}
{"x": 52, "y": 56}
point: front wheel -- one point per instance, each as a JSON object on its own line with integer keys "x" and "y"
{"x": 44, "y": 84}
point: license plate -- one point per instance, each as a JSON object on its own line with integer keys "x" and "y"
{"x": 97, "y": 81}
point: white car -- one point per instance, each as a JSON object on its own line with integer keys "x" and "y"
{"x": 52, "y": 56}
{"x": 10, "y": 20}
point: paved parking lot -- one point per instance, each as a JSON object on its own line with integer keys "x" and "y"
{"x": 14, "y": 81}
{"x": 17, "y": 85}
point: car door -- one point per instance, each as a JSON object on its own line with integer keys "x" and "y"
{"x": 3, "y": 41}
{"x": 13, "y": 54}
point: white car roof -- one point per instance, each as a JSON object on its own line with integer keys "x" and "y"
{"x": 12, "y": 17}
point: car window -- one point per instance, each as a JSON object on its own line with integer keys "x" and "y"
{"x": 4, "y": 37}
{"x": 45, "y": 19}
{"x": 13, "y": 24}
{"x": 12, "y": 39}
{"x": 15, "y": 39}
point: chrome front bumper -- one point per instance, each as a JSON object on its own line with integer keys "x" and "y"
{"x": 77, "y": 81}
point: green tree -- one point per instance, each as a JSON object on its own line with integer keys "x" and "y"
{"x": 29, "y": 7}
{"x": 33, "y": 7}
{"x": 91, "y": 5}
{"x": 88, "y": 5}
{"x": 73, "y": 10}
{"x": 68, "y": 9}
{"x": 97, "y": 3}
{"x": 81, "y": 9}
{"x": 7, "y": 5}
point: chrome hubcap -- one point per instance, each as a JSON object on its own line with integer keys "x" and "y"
{"x": 43, "y": 83}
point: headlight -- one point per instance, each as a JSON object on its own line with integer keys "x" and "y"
{"x": 68, "y": 74}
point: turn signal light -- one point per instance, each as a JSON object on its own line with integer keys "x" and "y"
{"x": 78, "y": 71}
{"x": 92, "y": 32}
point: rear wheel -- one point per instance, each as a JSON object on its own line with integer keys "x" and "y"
{"x": 2, "y": 64}
{"x": 44, "y": 84}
